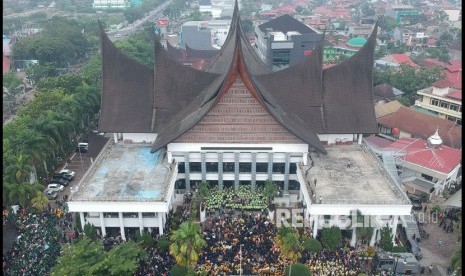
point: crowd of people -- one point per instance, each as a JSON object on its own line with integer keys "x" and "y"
{"x": 336, "y": 262}
{"x": 37, "y": 248}
{"x": 235, "y": 242}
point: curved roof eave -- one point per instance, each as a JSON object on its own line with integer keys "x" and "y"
{"x": 348, "y": 92}
{"x": 127, "y": 90}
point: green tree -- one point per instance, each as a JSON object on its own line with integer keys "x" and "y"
{"x": 203, "y": 190}
{"x": 187, "y": 243}
{"x": 297, "y": 269}
{"x": 270, "y": 190}
{"x": 40, "y": 201}
{"x": 79, "y": 258}
{"x": 90, "y": 231}
{"x": 288, "y": 241}
{"x": 123, "y": 259}
{"x": 145, "y": 240}
{"x": 178, "y": 270}
{"x": 163, "y": 244}
{"x": 331, "y": 238}
{"x": 456, "y": 260}
{"x": 440, "y": 16}
{"x": 399, "y": 249}
{"x": 386, "y": 238}
{"x": 312, "y": 245}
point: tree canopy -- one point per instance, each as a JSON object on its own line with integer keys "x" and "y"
{"x": 331, "y": 237}
{"x": 385, "y": 241}
{"x": 87, "y": 257}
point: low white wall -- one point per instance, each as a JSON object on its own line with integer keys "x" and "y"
{"x": 140, "y": 137}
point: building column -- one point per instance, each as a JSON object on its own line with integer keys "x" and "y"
{"x": 236, "y": 170}
{"x": 395, "y": 220}
{"x": 160, "y": 223}
{"x": 315, "y": 226}
{"x": 102, "y": 224}
{"x": 203, "y": 165}
{"x": 286, "y": 173}
{"x": 220, "y": 170}
{"x": 141, "y": 223}
{"x": 121, "y": 225}
{"x": 360, "y": 136}
{"x": 115, "y": 137}
{"x": 253, "y": 171}
{"x": 169, "y": 155}
{"x": 354, "y": 236}
{"x": 83, "y": 221}
{"x": 305, "y": 158}
{"x": 373, "y": 237}
{"x": 270, "y": 166}
{"x": 187, "y": 172}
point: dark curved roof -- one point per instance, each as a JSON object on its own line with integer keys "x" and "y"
{"x": 284, "y": 24}
{"x": 305, "y": 99}
{"x": 127, "y": 95}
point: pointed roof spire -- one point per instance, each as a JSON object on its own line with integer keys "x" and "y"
{"x": 435, "y": 140}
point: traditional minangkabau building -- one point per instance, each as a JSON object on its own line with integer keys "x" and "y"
{"x": 233, "y": 124}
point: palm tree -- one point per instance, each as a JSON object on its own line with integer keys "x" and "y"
{"x": 40, "y": 201}
{"x": 186, "y": 243}
{"x": 18, "y": 171}
{"x": 21, "y": 193}
{"x": 34, "y": 146}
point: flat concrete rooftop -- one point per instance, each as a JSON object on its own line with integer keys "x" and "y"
{"x": 125, "y": 172}
{"x": 349, "y": 174}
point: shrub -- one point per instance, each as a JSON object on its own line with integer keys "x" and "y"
{"x": 178, "y": 270}
{"x": 399, "y": 249}
{"x": 163, "y": 244}
{"x": 298, "y": 270}
{"x": 312, "y": 245}
{"x": 331, "y": 237}
{"x": 371, "y": 251}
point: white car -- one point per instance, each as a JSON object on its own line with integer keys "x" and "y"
{"x": 55, "y": 187}
{"x": 69, "y": 172}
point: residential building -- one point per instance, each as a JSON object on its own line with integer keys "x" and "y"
{"x": 284, "y": 41}
{"x": 384, "y": 92}
{"x": 414, "y": 38}
{"x": 204, "y": 35}
{"x": 443, "y": 100}
{"x": 406, "y": 122}
{"x": 111, "y": 4}
{"x": 395, "y": 60}
{"x": 344, "y": 49}
{"x": 424, "y": 166}
{"x": 403, "y": 14}
{"x": 236, "y": 123}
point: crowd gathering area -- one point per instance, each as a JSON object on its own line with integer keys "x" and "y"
{"x": 240, "y": 237}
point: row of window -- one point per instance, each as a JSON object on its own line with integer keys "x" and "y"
{"x": 128, "y": 215}
{"x": 447, "y": 105}
{"x": 244, "y": 167}
{"x": 181, "y": 184}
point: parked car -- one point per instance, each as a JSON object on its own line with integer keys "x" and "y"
{"x": 64, "y": 176}
{"x": 60, "y": 181}
{"x": 82, "y": 147}
{"x": 70, "y": 172}
{"x": 55, "y": 187}
{"x": 416, "y": 203}
{"x": 51, "y": 195}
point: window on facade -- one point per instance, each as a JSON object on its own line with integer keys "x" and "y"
{"x": 245, "y": 183}
{"x": 228, "y": 184}
{"x": 278, "y": 167}
{"x": 181, "y": 167}
{"x": 280, "y": 185}
{"x": 245, "y": 167}
{"x": 435, "y": 102}
{"x": 261, "y": 167}
{"x": 180, "y": 184}
{"x": 212, "y": 184}
{"x": 211, "y": 167}
{"x": 444, "y": 104}
{"x": 260, "y": 184}
{"x": 294, "y": 185}
{"x": 148, "y": 215}
{"x": 292, "y": 168}
{"x": 228, "y": 167}
{"x": 130, "y": 215}
{"x": 281, "y": 57}
{"x": 195, "y": 167}
{"x": 454, "y": 107}
{"x": 111, "y": 215}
